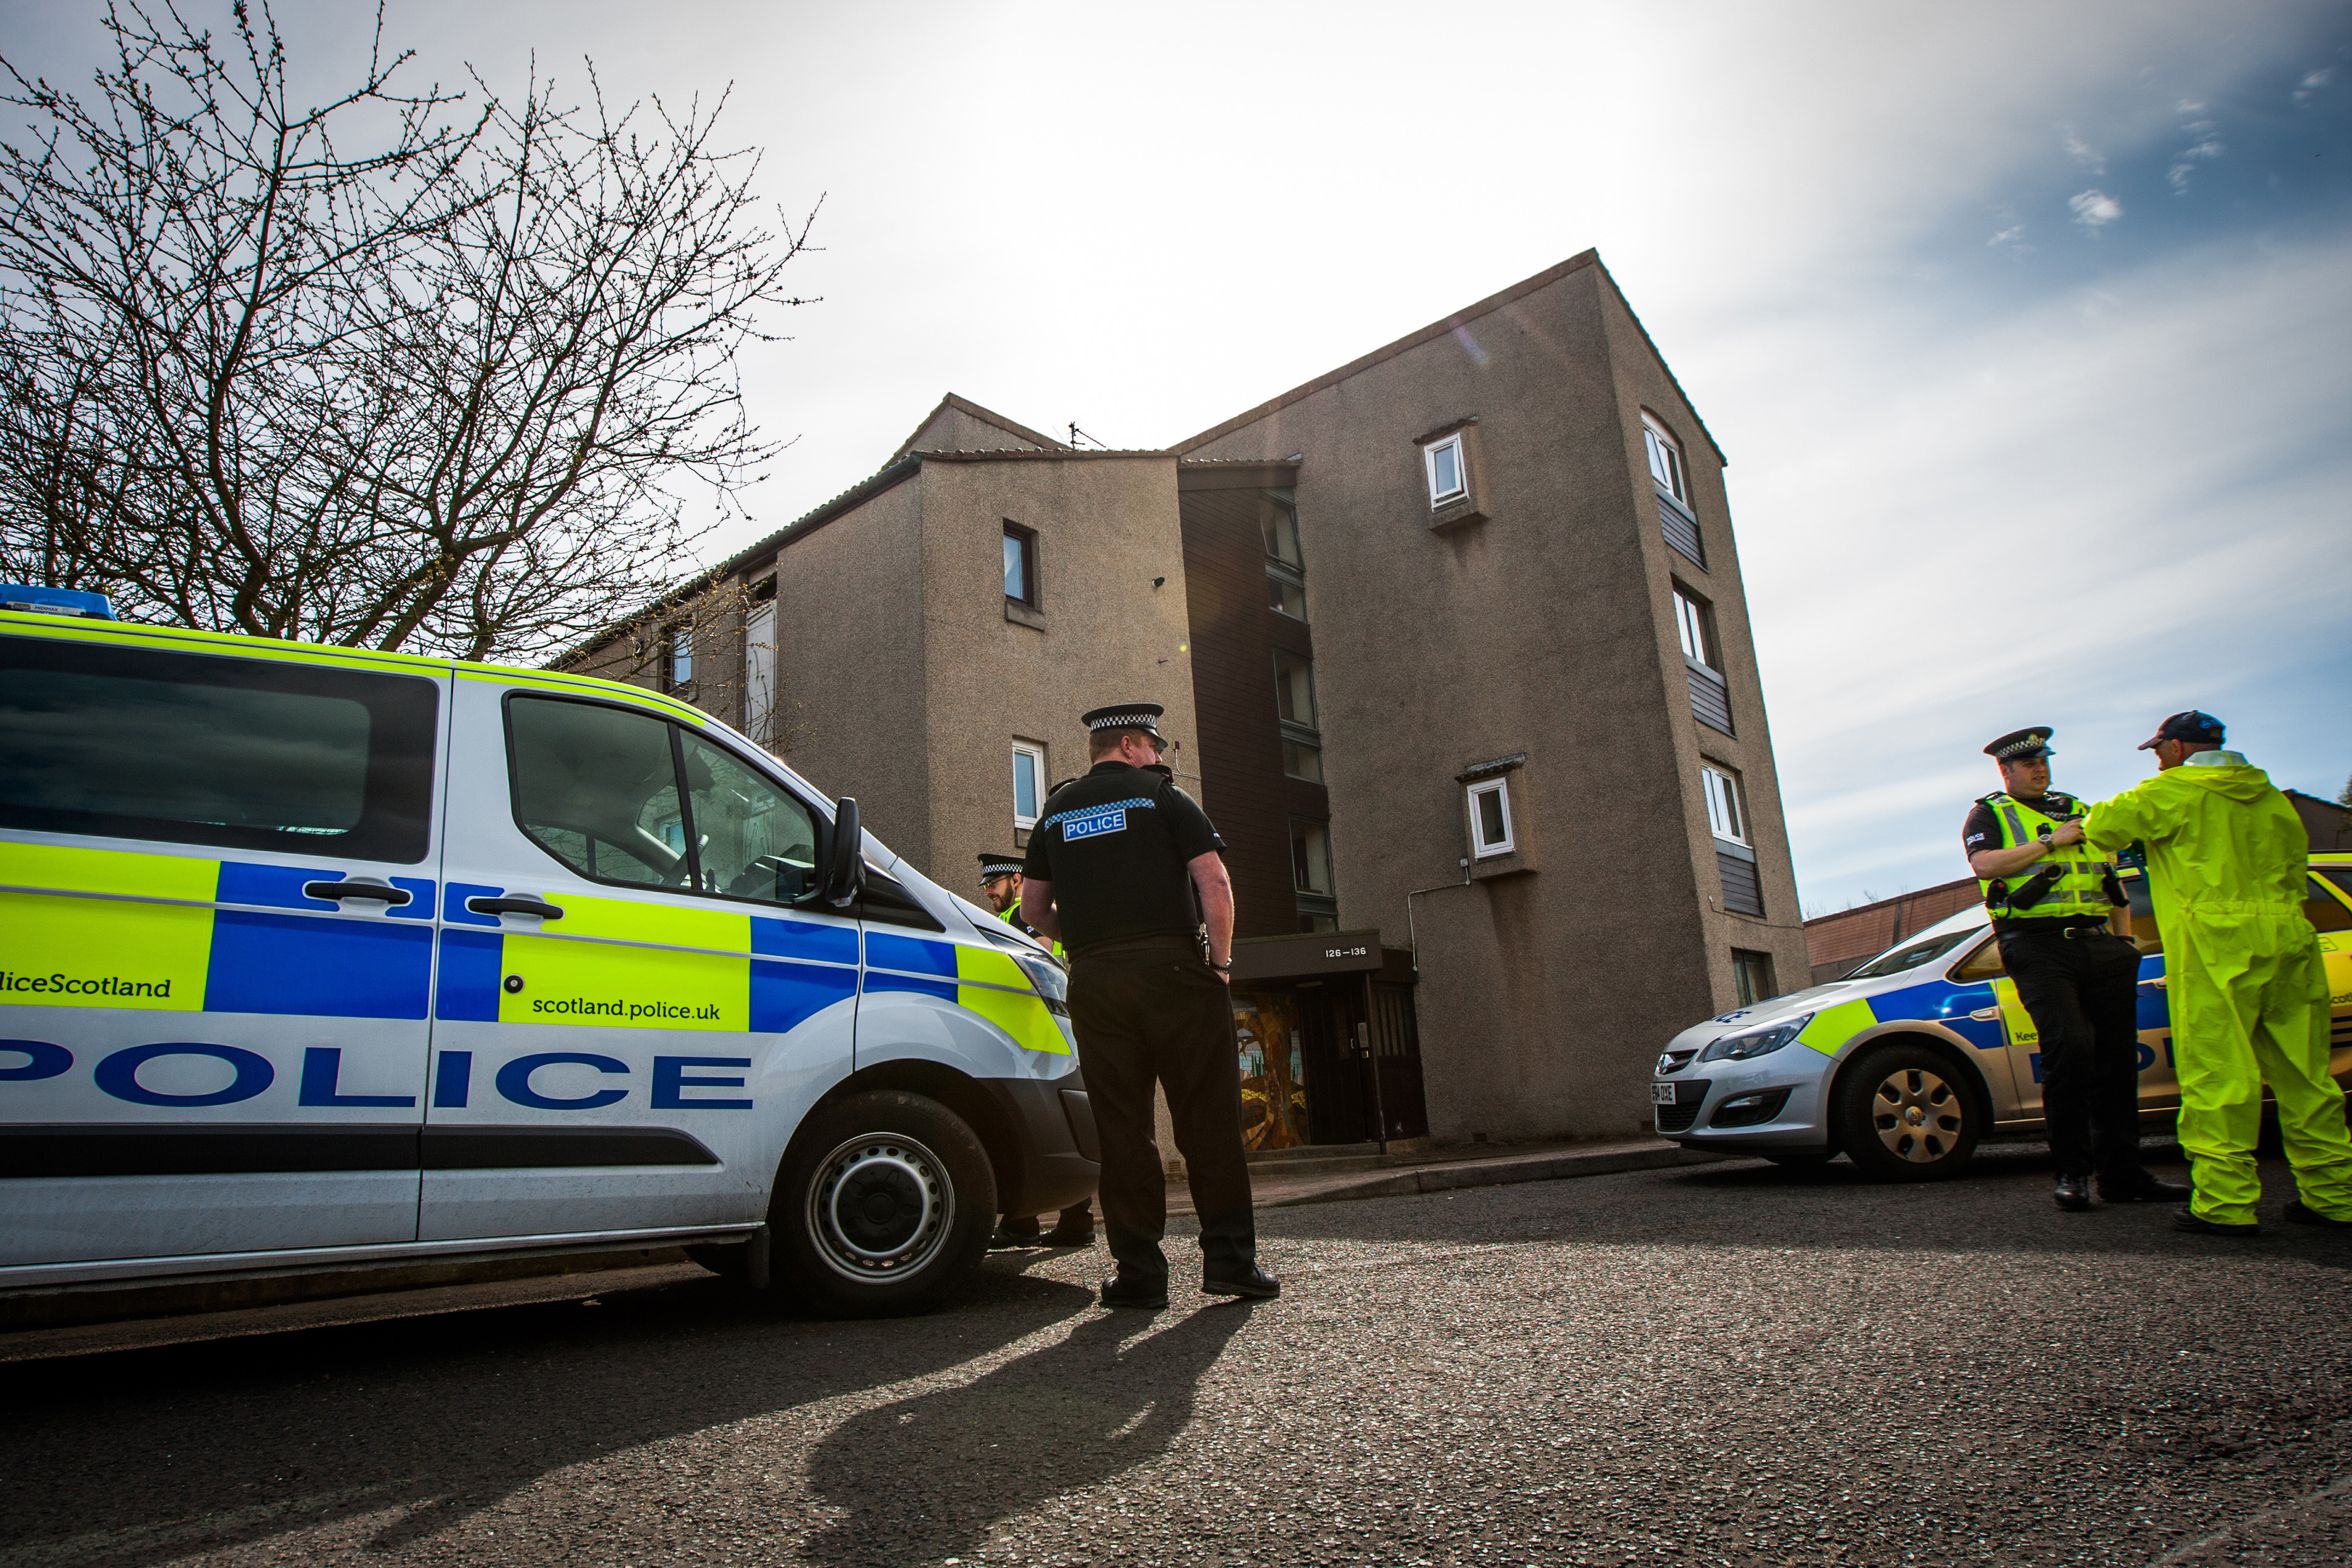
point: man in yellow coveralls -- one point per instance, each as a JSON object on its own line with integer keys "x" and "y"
{"x": 2227, "y": 868}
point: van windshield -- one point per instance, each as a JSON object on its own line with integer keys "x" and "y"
{"x": 1911, "y": 955}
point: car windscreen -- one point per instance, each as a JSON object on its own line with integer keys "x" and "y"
{"x": 1912, "y": 954}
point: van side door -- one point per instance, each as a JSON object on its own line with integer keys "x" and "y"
{"x": 216, "y": 944}
{"x": 639, "y": 995}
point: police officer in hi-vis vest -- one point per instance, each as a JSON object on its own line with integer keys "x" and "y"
{"x": 999, "y": 881}
{"x": 2053, "y": 899}
{"x": 1124, "y": 868}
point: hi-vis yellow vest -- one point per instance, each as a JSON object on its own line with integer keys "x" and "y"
{"x": 2081, "y": 885}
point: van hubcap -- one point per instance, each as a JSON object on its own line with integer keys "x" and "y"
{"x": 880, "y": 1207}
{"x": 1918, "y": 1115}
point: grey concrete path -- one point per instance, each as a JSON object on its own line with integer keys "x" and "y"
{"x": 1446, "y": 1169}
{"x": 1721, "y": 1364}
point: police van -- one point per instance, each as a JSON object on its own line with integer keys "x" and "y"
{"x": 1911, "y": 1060}
{"x": 315, "y": 957}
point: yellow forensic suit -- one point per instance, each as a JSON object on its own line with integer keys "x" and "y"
{"x": 2227, "y": 868}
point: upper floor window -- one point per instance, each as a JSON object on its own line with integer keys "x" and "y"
{"x": 1294, "y": 694}
{"x": 1695, "y": 623}
{"x": 1665, "y": 461}
{"x": 1490, "y": 819}
{"x": 1726, "y": 813}
{"x": 677, "y": 657}
{"x": 1449, "y": 471}
{"x": 1021, "y": 565}
{"x": 1028, "y": 783}
{"x": 1286, "y": 573}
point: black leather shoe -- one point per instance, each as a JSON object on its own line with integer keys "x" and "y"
{"x": 2074, "y": 1192}
{"x": 2184, "y": 1220}
{"x": 1129, "y": 1290}
{"x": 1014, "y": 1233}
{"x": 1254, "y": 1283}
{"x": 2148, "y": 1189}
{"x": 2302, "y": 1212}
{"x": 1061, "y": 1235}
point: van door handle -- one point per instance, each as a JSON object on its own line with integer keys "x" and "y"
{"x": 545, "y": 912}
{"x": 1986, "y": 1014}
{"x": 2157, "y": 983}
{"x": 374, "y": 892}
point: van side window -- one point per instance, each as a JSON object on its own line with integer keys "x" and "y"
{"x": 1984, "y": 963}
{"x": 596, "y": 787}
{"x": 137, "y": 742}
{"x": 754, "y": 840}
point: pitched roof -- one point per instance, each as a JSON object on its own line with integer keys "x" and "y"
{"x": 985, "y": 416}
{"x": 1492, "y": 302}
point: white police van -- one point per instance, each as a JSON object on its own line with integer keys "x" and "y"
{"x": 315, "y": 957}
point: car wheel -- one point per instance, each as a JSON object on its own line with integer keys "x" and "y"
{"x": 1905, "y": 1114}
{"x": 885, "y": 1202}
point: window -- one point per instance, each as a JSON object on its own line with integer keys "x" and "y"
{"x": 1286, "y": 595}
{"x": 677, "y": 657}
{"x": 1665, "y": 461}
{"x": 1726, "y": 814}
{"x": 1490, "y": 819}
{"x": 759, "y": 669}
{"x": 2322, "y": 910}
{"x": 132, "y": 743}
{"x": 1449, "y": 472}
{"x": 1310, "y": 866}
{"x": 1293, "y": 703}
{"x": 1028, "y": 783}
{"x": 1279, "y": 522}
{"x": 1021, "y": 565}
{"x": 597, "y": 788}
{"x": 1695, "y": 620}
{"x": 1752, "y": 975}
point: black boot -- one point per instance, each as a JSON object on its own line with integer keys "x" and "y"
{"x": 1136, "y": 1291}
{"x": 1229, "y": 1256}
{"x": 1014, "y": 1230}
{"x": 1074, "y": 1228}
{"x": 2073, "y": 1192}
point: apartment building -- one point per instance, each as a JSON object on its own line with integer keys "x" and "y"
{"x": 1453, "y": 647}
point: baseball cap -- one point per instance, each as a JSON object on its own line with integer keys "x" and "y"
{"x": 2195, "y": 726}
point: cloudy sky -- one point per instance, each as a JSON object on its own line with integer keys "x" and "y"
{"x": 2028, "y": 328}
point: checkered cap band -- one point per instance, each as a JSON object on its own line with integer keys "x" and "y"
{"x": 1137, "y": 720}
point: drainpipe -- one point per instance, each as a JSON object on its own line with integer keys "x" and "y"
{"x": 1413, "y": 939}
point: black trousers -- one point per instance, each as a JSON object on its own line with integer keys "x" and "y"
{"x": 2083, "y": 997}
{"x": 1161, "y": 1015}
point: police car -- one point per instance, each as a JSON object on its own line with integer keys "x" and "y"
{"x": 315, "y": 957}
{"x": 1909, "y": 1062}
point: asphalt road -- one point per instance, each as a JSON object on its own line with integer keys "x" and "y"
{"x": 1725, "y": 1363}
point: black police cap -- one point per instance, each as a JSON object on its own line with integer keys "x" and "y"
{"x": 1143, "y": 716}
{"x": 2021, "y": 745}
{"x": 992, "y": 866}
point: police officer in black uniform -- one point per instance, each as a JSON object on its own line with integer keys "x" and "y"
{"x": 2052, "y": 897}
{"x": 1123, "y": 869}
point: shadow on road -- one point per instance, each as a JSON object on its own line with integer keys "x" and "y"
{"x": 2002, "y": 1204}
{"x": 143, "y": 1456}
{"x": 925, "y": 1477}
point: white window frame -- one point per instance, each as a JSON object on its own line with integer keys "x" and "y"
{"x": 1693, "y": 624}
{"x": 759, "y": 674}
{"x": 1036, "y": 756}
{"x": 677, "y": 649}
{"x": 1479, "y": 849}
{"x": 1661, "y": 445}
{"x": 1438, "y": 498}
{"x": 1724, "y": 798}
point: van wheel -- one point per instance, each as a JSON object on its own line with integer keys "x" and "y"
{"x": 1905, "y": 1114}
{"x": 886, "y": 1201}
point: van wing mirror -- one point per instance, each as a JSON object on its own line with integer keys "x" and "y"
{"x": 844, "y": 868}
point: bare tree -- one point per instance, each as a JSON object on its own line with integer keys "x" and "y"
{"x": 452, "y": 394}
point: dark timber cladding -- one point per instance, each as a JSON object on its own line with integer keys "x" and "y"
{"x": 1235, "y": 635}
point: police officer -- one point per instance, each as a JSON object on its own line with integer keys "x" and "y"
{"x": 999, "y": 881}
{"x": 2052, "y": 897}
{"x": 1124, "y": 868}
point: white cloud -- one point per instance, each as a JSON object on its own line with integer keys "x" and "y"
{"x": 2094, "y": 209}
{"x": 2009, "y": 235}
{"x": 2312, "y": 83}
{"x": 2086, "y": 155}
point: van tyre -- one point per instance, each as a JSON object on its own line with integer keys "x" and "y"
{"x": 1904, "y": 1113}
{"x": 885, "y": 1201}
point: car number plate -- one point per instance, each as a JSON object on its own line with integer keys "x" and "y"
{"x": 1663, "y": 1093}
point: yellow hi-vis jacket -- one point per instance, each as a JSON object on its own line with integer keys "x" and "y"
{"x": 2083, "y": 872}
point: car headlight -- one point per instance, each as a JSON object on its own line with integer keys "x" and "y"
{"x": 1051, "y": 981}
{"x": 1755, "y": 1042}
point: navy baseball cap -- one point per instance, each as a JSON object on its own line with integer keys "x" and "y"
{"x": 2196, "y": 727}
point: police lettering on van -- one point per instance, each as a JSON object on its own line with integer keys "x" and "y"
{"x": 404, "y": 957}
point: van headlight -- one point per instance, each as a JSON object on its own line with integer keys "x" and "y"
{"x": 1051, "y": 981}
{"x": 1755, "y": 1042}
